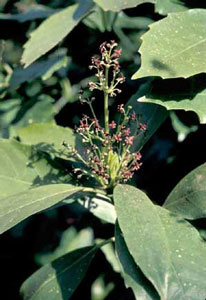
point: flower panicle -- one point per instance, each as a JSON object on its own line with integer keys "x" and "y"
{"x": 108, "y": 155}
{"x": 108, "y": 61}
{"x": 100, "y": 145}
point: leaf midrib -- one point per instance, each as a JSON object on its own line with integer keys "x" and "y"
{"x": 168, "y": 57}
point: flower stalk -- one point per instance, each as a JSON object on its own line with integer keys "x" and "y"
{"x": 107, "y": 149}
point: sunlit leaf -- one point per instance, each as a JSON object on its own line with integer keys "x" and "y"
{"x": 50, "y": 33}
{"x": 163, "y": 7}
{"x": 100, "y": 208}
{"x": 22, "y": 168}
{"x": 114, "y": 5}
{"x": 48, "y": 138}
{"x": 175, "y": 46}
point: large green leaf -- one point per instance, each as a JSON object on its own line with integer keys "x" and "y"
{"x": 42, "y": 68}
{"x": 115, "y": 5}
{"x": 188, "y": 198}
{"x": 59, "y": 279}
{"x": 175, "y": 46}
{"x": 18, "y": 207}
{"x": 133, "y": 276}
{"x": 48, "y": 138}
{"x": 164, "y": 7}
{"x": 51, "y": 32}
{"x": 23, "y": 168}
{"x": 168, "y": 250}
{"x": 185, "y": 94}
{"x": 151, "y": 114}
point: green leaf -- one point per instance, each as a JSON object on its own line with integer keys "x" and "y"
{"x": 100, "y": 208}
{"x": 84, "y": 7}
{"x": 47, "y": 138}
{"x": 36, "y": 12}
{"x": 163, "y": 7}
{"x": 59, "y": 279}
{"x": 115, "y": 5}
{"x": 175, "y": 46}
{"x": 8, "y": 111}
{"x": 185, "y": 94}
{"x": 111, "y": 257}
{"x": 188, "y": 198}
{"x": 35, "y": 111}
{"x": 50, "y": 33}
{"x": 151, "y": 114}
{"x": 96, "y": 20}
{"x": 168, "y": 250}
{"x": 44, "y": 68}
{"x": 70, "y": 240}
{"x": 18, "y": 207}
{"x": 132, "y": 275}
{"x": 22, "y": 168}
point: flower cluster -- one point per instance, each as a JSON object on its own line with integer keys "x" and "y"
{"x": 108, "y": 60}
{"x": 108, "y": 155}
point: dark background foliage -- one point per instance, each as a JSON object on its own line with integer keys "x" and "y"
{"x": 165, "y": 159}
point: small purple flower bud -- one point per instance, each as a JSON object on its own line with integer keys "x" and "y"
{"x": 142, "y": 127}
{"x": 129, "y": 140}
{"x": 112, "y": 125}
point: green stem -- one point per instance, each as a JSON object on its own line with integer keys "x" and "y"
{"x": 92, "y": 110}
{"x": 106, "y": 101}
